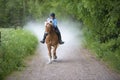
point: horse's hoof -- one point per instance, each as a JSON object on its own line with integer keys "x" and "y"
{"x": 55, "y": 57}
{"x": 50, "y": 61}
{"x": 54, "y": 60}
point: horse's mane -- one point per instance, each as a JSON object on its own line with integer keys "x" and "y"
{"x": 49, "y": 27}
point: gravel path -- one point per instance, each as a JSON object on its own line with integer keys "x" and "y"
{"x": 73, "y": 63}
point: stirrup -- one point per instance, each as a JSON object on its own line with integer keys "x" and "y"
{"x": 42, "y": 41}
{"x": 61, "y": 42}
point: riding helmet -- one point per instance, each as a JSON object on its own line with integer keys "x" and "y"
{"x": 52, "y": 14}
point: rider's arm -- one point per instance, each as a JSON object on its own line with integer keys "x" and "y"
{"x": 55, "y": 23}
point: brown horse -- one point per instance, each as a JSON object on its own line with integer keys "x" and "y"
{"x": 51, "y": 41}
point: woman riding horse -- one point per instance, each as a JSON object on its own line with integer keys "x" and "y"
{"x": 54, "y": 22}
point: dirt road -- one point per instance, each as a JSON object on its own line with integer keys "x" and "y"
{"x": 73, "y": 63}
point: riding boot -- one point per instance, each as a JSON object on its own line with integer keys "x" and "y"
{"x": 59, "y": 35}
{"x": 44, "y": 37}
{"x": 60, "y": 40}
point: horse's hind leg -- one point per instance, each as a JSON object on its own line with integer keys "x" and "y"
{"x": 54, "y": 52}
{"x": 49, "y": 53}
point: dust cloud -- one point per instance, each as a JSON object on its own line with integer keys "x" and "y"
{"x": 71, "y": 34}
{"x": 70, "y": 30}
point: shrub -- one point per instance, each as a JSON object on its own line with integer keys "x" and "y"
{"x": 15, "y": 46}
{"x": 108, "y": 51}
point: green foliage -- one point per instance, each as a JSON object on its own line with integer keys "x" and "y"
{"x": 102, "y": 26}
{"x": 108, "y": 51}
{"x": 15, "y": 46}
{"x": 18, "y": 12}
{"x": 103, "y": 29}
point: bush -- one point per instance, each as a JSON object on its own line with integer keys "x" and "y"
{"x": 108, "y": 51}
{"x": 15, "y": 46}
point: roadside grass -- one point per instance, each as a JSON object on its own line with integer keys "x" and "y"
{"x": 15, "y": 46}
{"x": 109, "y": 52}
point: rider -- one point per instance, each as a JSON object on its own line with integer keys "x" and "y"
{"x": 54, "y": 21}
